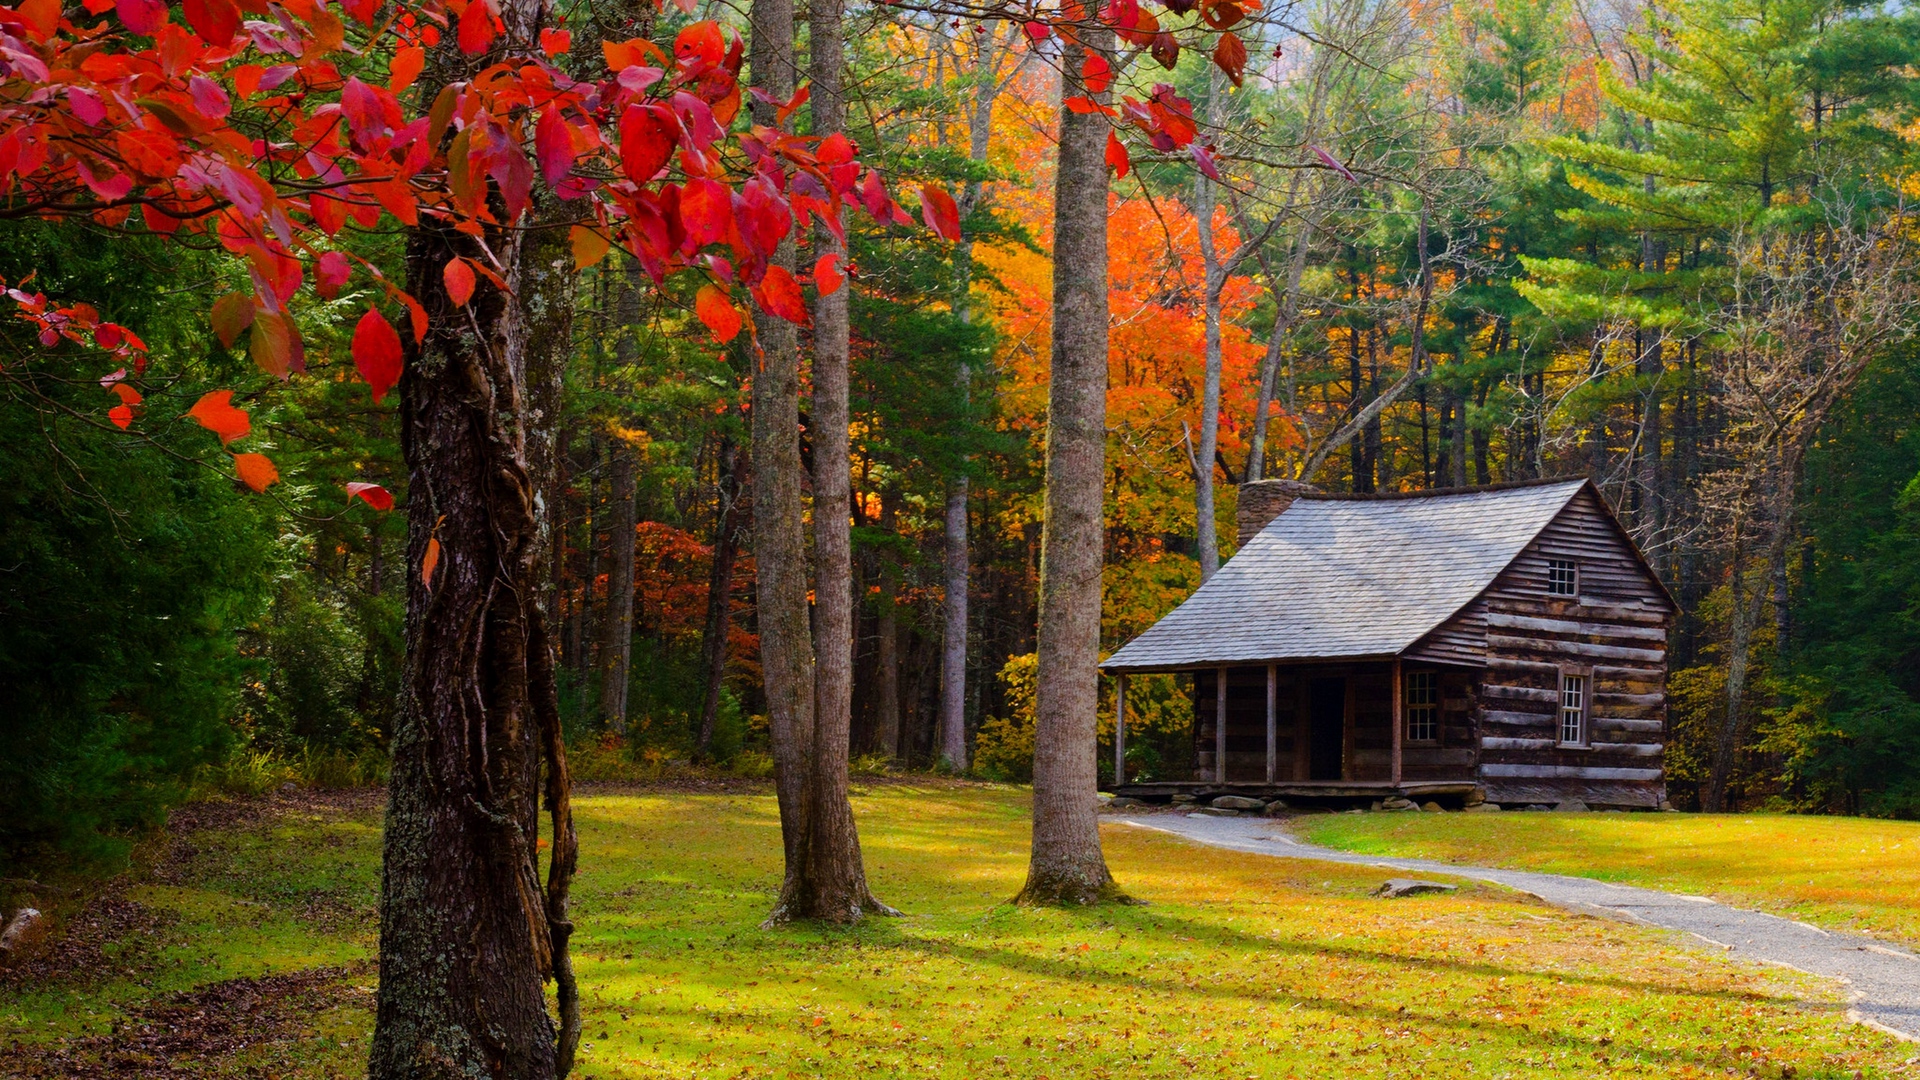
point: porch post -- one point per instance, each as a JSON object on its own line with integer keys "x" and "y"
{"x": 1399, "y": 721}
{"x": 1273, "y": 721}
{"x": 1120, "y": 732}
{"x": 1220, "y": 727}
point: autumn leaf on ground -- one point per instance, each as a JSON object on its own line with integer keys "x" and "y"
{"x": 255, "y": 470}
{"x": 376, "y": 352}
{"x": 216, "y": 413}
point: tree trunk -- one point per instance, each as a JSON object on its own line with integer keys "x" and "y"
{"x": 951, "y": 716}
{"x": 824, "y": 878}
{"x": 833, "y": 884}
{"x": 887, "y": 714}
{"x": 952, "y": 733}
{"x": 779, "y": 545}
{"x": 1205, "y": 534}
{"x": 1067, "y": 866}
{"x": 726, "y": 552}
{"x": 616, "y": 621}
{"x": 468, "y": 934}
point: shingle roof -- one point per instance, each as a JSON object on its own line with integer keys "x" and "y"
{"x": 1345, "y": 577}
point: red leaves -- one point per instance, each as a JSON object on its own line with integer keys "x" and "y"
{"x": 1231, "y": 57}
{"x": 372, "y": 494}
{"x": 457, "y": 275}
{"x": 216, "y": 413}
{"x": 706, "y": 211}
{"x": 142, "y": 16}
{"x": 1117, "y": 157}
{"x": 275, "y": 344}
{"x": 647, "y": 134}
{"x": 477, "y": 27}
{"x": 699, "y": 45}
{"x": 408, "y": 61}
{"x": 937, "y": 209}
{"x": 232, "y": 313}
{"x": 1333, "y": 163}
{"x": 216, "y": 21}
{"x": 589, "y": 246}
{"x": 255, "y": 470}
{"x": 330, "y": 272}
{"x": 1036, "y": 32}
{"x": 827, "y": 277}
{"x": 1096, "y": 74}
{"x": 555, "y": 42}
{"x": 553, "y": 145}
{"x": 717, "y": 312}
{"x": 122, "y": 414}
{"x": 779, "y": 294}
{"x": 376, "y": 352}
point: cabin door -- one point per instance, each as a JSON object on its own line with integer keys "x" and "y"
{"x": 1327, "y": 728}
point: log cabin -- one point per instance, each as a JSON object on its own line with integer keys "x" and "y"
{"x": 1502, "y": 644}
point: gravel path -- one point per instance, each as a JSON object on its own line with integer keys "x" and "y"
{"x": 1885, "y": 981}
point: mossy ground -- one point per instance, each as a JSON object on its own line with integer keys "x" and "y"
{"x": 1861, "y": 875}
{"x": 1237, "y": 967}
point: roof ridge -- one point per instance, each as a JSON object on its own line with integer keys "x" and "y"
{"x": 1432, "y": 493}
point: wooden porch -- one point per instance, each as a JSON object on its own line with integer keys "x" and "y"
{"x": 1203, "y": 790}
{"x": 1321, "y": 729}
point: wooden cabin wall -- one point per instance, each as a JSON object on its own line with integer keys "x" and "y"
{"x": 1617, "y": 628}
{"x": 1452, "y": 755}
{"x": 1246, "y": 723}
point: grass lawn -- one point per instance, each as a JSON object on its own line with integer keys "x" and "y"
{"x": 248, "y": 949}
{"x": 1856, "y": 874}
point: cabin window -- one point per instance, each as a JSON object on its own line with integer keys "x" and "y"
{"x": 1573, "y": 710}
{"x": 1563, "y": 577}
{"x": 1422, "y": 704}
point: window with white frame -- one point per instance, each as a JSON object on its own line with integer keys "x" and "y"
{"x": 1573, "y": 710}
{"x": 1563, "y": 577}
{"x": 1422, "y": 705}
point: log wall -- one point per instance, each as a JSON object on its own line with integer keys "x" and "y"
{"x": 1615, "y": 632}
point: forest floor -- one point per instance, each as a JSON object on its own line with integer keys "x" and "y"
{"x": 1858, "y": 875}
{"x": 246, "y": 949}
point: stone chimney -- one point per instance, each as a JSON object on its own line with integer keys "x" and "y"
{"x": 1263, "y": 500}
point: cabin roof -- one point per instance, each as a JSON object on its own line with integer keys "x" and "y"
{"x": 1345, "y": 577}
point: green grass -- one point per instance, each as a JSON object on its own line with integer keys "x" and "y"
{"x": 1856, "y": 874}
{"x": 1238, "y": 967}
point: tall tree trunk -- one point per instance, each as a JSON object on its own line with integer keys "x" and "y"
{"x": 592, "y": 521}
{"x": 887, "y": 714}
{"x": 1066, "y": 865}
{"x": 468, "y": 934}
{"x": 1457, "y": 439}
{"x": 616, "y": 620}
{"x": 832, "y": 884}
{"x": 951, "y": 716}
{"x": 952, "y": 719}
{"x": 728, "y": 524}
{"x": 1749, "y": 600}
{"x": 779, "y": 544}
{"x": 1205, "y": 534}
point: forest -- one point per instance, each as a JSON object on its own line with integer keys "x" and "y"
{"x": 1446, "y": 246}
{"x": 479, "y": 396}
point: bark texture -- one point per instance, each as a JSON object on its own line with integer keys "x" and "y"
{"x": 726, "y": 553}
{"x": 468, "y": 935}
{"x": 1067, "y": 866}
{"x": 616, "y": 620}
{"x": 953, "y": 636}
{"x": 824, "y": 877}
